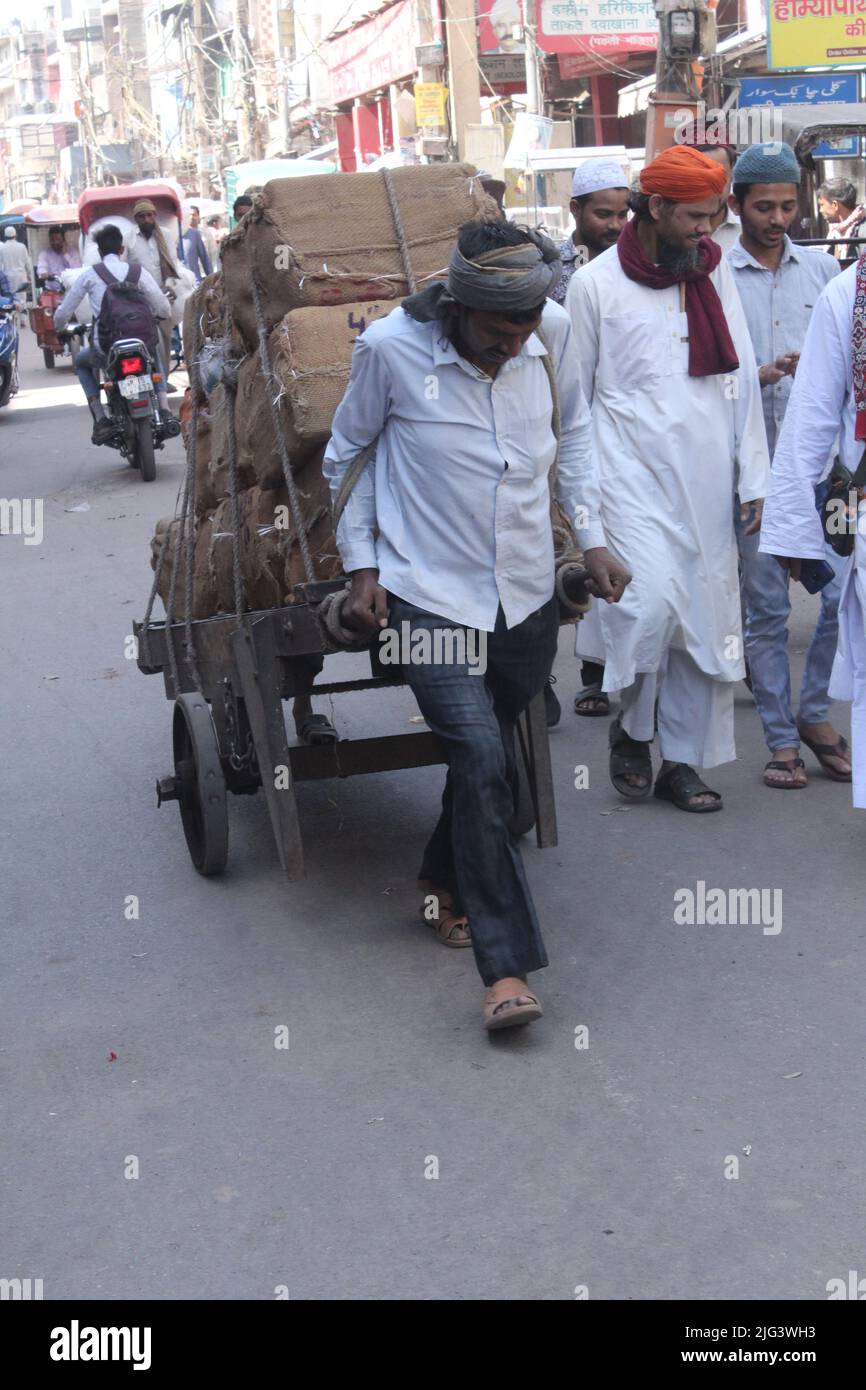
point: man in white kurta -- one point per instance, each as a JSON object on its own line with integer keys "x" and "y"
{"x": 673, "y": 448}
{"x": 821, "y": 407}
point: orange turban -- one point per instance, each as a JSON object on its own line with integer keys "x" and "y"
{"x": 683, "y": 175}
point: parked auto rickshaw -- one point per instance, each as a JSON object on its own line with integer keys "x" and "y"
{"x": 47, "y": 290}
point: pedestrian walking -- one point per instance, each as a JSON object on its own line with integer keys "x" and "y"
{"x": 448, "y": 529}
{"x": 668, "y": 368}
{"x": 779, "y": 283}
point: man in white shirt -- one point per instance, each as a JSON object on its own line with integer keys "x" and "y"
{"x": 15, "y": 260}
{"x": 109, "y": 242}
{"x": 148, "y": 248}
{"x": 828, "y": 404}
{"x": 448, "y": 531}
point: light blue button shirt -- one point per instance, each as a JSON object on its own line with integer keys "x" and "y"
{"x": 454, "y": 509}
{"x": 778, "y": 305}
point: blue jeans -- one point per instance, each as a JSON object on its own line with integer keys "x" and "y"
{"x": 87, "y": 362}
{"x": 768, "y": 606}
{"x": 472, "y": 852}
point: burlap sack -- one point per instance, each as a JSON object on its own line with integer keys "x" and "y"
{"x": 330, "y": 239}
{"x": 257, "y": 448}
{"x": 312, "y": 354}
{"x": 203, "y": 315}
{"x": 214, "y": 476}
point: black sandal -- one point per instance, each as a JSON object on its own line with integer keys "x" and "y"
{"x": 679, "y": 784}
{"x": 316, "y": 730}
{"x": 824, "y": 751}
{"x": 629, "y": 757}
{"x": 592, "y": 692}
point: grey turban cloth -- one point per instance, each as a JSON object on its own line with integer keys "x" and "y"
{"x": 506, "y": 279}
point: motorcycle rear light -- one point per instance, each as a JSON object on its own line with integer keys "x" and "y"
{"x": 131, "y": 366}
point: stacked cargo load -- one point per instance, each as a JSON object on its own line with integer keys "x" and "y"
{"x": 268, "y": 341}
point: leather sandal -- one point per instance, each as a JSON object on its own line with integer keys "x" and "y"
{"x": 790, "y": 766}
{"x": 823, "y": 751}
{"x": 629, "y": 758}
{"x": 452, "y": 928}
{"x": 512, "y": 1013}
{"x": 680, "y": 784}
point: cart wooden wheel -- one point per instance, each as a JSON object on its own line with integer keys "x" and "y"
{"x": 201, "y": 786}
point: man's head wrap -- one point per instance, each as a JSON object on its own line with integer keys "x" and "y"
{"x": 683, "y": 175}
{"x": 143, "y": 205}
{"x": 508, "y": 278}
{"x": 504, "y": 280}
{"x": 773, "y": 162}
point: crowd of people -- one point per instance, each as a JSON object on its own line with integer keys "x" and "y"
{"x": 673, "y": 320}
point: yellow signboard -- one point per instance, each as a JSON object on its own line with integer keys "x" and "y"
{"x": 430, "y": 98}
{"x": 813, "y": 33}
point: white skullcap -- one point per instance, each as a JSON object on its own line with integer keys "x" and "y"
{"x": 595, "y": 174}
{"x": 9, "y": 232}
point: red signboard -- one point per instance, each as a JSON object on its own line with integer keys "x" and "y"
{"x": 371, "y": 55}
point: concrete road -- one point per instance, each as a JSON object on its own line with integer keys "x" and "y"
{"x": 706, "y": 1143}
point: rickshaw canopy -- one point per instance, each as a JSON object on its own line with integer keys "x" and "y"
{"x": 54, "y": 215}
{"x": 122, "y": 197}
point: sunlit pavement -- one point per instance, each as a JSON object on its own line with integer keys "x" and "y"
{"x": 160, "y": 1144}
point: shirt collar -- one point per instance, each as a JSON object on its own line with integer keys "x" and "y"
{"x": 739, "y": 256}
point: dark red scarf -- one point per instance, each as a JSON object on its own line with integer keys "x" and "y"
{"x": 711, "y": 348}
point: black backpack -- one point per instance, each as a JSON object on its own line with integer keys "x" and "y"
{"x": 124, "y": 311}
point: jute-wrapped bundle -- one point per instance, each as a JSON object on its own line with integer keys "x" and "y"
{"x": 311, "y": 356}
{"x": 330, "y": 239}
{"x": 204, "y": 315}
{"x": 270, "y": 556}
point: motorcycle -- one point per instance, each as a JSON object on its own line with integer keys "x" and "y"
{"x": 8, "y": 349}
{"x": 129, "y": 383}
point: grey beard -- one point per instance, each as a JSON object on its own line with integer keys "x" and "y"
{"x": 675, "y": 260}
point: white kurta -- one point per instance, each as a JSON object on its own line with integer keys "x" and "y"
{"x": 821, "y": 407}
{"x": 672, "y": 452}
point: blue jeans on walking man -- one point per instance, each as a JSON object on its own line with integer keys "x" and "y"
{"x": 472, "y": 852}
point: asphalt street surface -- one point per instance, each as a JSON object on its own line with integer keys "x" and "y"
{"x": 147, "y": 1044}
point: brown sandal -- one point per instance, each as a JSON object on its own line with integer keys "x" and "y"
{"x": 824, "y": 751}
{"x": 790, "y": 765}
{"x": 447, "y": 922}
{"x": 512, "y": 1013}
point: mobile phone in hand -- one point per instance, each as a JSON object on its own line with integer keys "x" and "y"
{"x": 815, "y": 575}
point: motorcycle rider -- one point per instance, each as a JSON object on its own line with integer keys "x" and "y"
{"x": 109, "y": 243}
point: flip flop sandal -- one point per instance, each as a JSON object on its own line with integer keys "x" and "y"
{"x": 512, "y": 1013}
{"x": 779, "y": 765}
{"x": 680, "y": 784}
{"x": 446, "y": 923}
{"x": 629, "y": 757}
{"x": 833, "y": 750}
{"x": 592, "y": 692}
{"x": 316, "y": 730}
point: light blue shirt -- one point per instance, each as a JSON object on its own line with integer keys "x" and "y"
{"x": 778, "y": 305}
{"x": 458, "y": 489}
